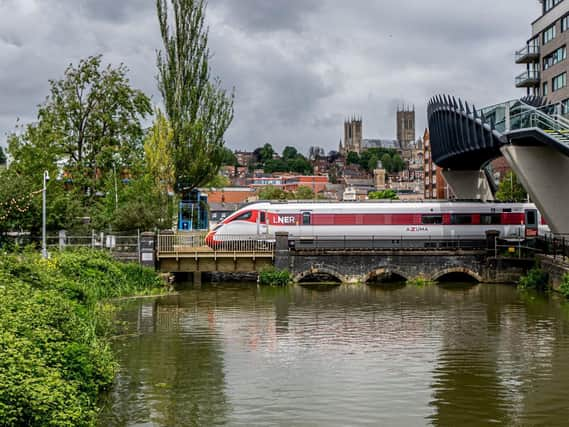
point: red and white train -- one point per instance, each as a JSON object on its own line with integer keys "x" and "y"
{"x": 381, "y": 219}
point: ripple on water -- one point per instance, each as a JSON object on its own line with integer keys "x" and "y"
{"x": 349, "y": 356}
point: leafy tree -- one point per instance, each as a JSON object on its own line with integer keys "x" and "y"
{"x": 266, "y": 153}
{"x": 510, "y": 189}
{"x": 386, "y": 162}
{"x": 271, "y": 192}
{"x": 90, "y": 122}
{"x": 300, "y": 165}
{"x": 398, "y": 164}
{"x": 158, "y": 152}
{"x": 2, "y": 157}
{"x": 199, "y": 109}
{"x": 383, "y": 194}
{"x": 353, "y": 158}
{"x": 304, "y": 193}
{"x": 372, "y": 163}
{"x": 229, "y": 158}
{"x": 276, "y": 165}
{"x": 219, "y": 181}
{"x": 290, "y": 153}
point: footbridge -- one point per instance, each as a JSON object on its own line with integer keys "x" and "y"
{"x": 533, "y": 137}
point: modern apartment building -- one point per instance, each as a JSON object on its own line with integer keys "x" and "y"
{"x": 545, "y": 55}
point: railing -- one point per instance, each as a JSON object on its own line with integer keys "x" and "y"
{"x": 554, "y": 245}
{"x": 387, "y": 243}
{"x": 224, "y": 243}
{"x": 530, "y": 51}
{"x": 528, "y": 77}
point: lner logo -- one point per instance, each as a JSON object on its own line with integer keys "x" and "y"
{"x": 285, "y": 219}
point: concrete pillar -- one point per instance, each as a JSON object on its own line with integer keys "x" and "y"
{"x": 147, "y": 252}
{"x": 197, "y": 279}
{"x": 469, "y": 184}
{"x": 282, "y": 255}
{"x": 544, "y": 173}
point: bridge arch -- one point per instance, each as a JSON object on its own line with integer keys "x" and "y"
{"x": 320, "y": 271}
{"x": 458, "y": 272}
{"x": 384, "y": 272}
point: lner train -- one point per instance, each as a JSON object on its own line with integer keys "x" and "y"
{"x": 381, "y": 220}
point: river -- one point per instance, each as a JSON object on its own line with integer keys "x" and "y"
{"x": 239, "y": 355}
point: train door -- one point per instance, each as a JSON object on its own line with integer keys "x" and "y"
{"x": 531, "y": 222}
{"x": 306, "y": 224}
{"x": 262, "y": 223}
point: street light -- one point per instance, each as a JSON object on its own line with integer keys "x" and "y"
{"x": 44, "y": 191}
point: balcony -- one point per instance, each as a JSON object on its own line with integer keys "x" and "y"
{"x": 528, "y": 55}
{"x": 528, "y": 79}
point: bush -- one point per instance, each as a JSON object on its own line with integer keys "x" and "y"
{"x": 274, "y": 277}
{"x": 55, "y": 357}
{"x": 535, "y": 279}
{"x": 420, "y": 282}
{"x": 564, "y": 287}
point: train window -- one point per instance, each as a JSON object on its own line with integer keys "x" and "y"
{"x": 531, "y": 218}
{"x": 490, "y": 219}
{"x": 305, "y": 218}
{"x": 263, "y": 218}
{"x": 432, "y": 219}
{"x": 244, "y": 216}
{"x": 461, "y": 219}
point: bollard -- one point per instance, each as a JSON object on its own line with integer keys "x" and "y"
{"x": 62, "y": 239}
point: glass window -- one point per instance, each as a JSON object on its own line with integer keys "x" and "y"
{"x": 544, "y": 87}
{"x": 565, "y": 23}
{"x": 432, "y": 219}
{"x": 490, "y": 219}
{"x": 305, "y": 218}
{"x": 263, "y": 218}
{"x": 559, "y": 82}
{"x": 549, "y": 34}
{"x": 244, "y": 216}
{"x": 557, "y": 56}
{"x": 461, "y": 219}
{"x": 531, "y": 217}
{"x": 565, "y": 106}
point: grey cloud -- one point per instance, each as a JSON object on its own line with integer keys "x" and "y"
{"x": 299, "y": 66}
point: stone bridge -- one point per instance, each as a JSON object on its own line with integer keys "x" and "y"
{"x": 367, "y": 266}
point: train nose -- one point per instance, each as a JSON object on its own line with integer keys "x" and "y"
{"x": 209, "y": 238}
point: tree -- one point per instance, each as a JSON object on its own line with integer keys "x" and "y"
{"x": 353, "y": 158}
{"x": 266, "y": 153}
{"x": 386, "y": 162}
{"x": 300, "y": 165}
{"x": 289, "y": 153}
{"x": 372, "y": 163}
{"x": 198, "y": 108}
{"x": 2, "y": 157}
{"x": 274, "y": 193}
{"x": 383, "y": 194}
{"x": 229, "y": 158}
{"x": 304, "y": 193}
{"x": 510, "y": 189}
{"x": 158, "y": 153}
{"x": 398, "y": 164}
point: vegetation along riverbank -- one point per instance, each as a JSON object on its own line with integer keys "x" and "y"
{"x": 55, "y": 327}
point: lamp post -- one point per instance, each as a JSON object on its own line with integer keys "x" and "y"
{"x": 43, "y": 233}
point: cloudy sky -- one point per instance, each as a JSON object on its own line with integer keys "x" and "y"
{"x": 299, "y": 67}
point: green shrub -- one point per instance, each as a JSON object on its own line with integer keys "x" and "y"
{"x": 536, "y": 279}
{"x": 274, "y": 277}
{"x": 55, "y": 357}
{"x": 564, "y": 287}
{"x": 420, "y": 282}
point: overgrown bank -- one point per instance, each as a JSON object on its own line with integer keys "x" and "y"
{"x": 55, "y": 356}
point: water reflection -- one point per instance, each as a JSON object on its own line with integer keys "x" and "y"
{"x": 458, "y": 354}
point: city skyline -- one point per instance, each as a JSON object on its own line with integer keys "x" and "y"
{"x": 299, "y": 68}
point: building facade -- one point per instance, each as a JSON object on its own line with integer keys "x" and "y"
{"x": 405, "y": 127}
{"x": 545, "y": 55}
{"x": 435, "y": 184}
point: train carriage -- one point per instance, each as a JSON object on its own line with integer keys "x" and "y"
{"x": 381, "y": 220}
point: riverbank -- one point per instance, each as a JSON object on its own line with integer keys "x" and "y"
{"x": 55, "y": 357}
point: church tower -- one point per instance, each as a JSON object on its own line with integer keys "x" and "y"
{"x": 352, "y": 135}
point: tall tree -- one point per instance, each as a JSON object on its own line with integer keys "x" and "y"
{"x": 199, "y": 109}
{"x": 158, "y": 153}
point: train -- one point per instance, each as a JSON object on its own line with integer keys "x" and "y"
{"x": 427, "y": 220}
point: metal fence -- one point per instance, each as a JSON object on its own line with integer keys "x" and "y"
{"x": 124, "y": 247}
{"x": 554, "y": 245}
{"x": 196, "y": 242}
{"x": 385, "y": 243}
